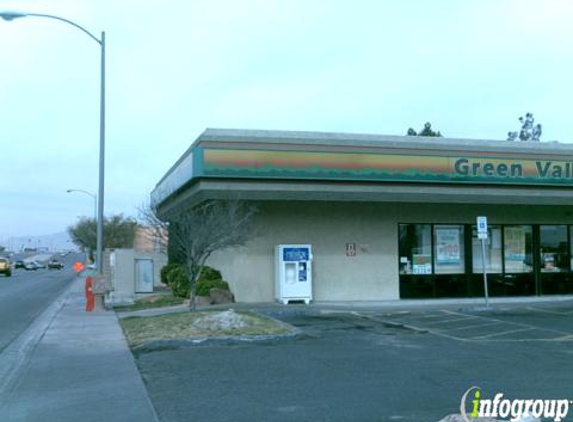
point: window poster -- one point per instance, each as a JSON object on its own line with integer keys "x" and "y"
{"x": 514, "y": 244}
{"x": 422, "y": 264}
{"x": 448, "y": 245}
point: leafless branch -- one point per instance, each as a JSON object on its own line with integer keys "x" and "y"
{"x": 209, "y": 227}
{"x": 157, "y": 229}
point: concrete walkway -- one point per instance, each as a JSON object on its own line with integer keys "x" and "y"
{"x": 73, "y": 366}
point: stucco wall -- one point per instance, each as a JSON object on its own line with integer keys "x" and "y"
{"x": 328, "y": 226}
{"x": 370, "y": 275}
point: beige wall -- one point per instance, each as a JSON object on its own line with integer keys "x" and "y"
{"x": 373, "y": 273}
{"x": 123, "y": 274}
{"x": 148, "y": 239}
{"x": 370, "y": 275}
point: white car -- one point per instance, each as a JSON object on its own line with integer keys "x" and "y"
{"x": 40, "y": 264}
{"x": 30, "y": 265}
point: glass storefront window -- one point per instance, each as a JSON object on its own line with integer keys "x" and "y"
{"x": 553, "y": 248}
{"x": 415, "y": 249}
{"x": 517, "y": 249}
{"x": 449, "y": 249}
{"x": 571, "y": 246}
{"x": 492, "y": 251}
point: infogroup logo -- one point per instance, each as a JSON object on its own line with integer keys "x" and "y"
{"x": 514, "y": 409}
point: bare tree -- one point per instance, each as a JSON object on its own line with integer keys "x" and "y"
{"x": 528, "y": 132}
{"x": 209, "y": 227}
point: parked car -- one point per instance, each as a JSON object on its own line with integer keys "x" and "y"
{"x": 5, "y": 267}
{"x": 19, "y": 264}
{"x": 54, "y": 264}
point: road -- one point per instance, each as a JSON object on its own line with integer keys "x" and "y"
{"x": 26, "y": 294}
{"x": 403, "y": 366}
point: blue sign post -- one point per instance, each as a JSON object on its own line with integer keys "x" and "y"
{"x": 482, "y": 236}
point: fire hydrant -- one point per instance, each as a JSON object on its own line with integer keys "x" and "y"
{"x": 90, "y": 297}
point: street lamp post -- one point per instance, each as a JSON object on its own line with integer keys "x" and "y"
{"x": 8, "y": 16}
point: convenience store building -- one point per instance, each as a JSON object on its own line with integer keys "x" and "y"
{"x": 388, "y": 217}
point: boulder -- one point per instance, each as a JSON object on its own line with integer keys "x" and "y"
{"x": 221, "y": 296}
{"x": 218, "y": 321}
{"x": 203, "y": 300}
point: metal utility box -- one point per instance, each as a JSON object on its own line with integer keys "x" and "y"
{"x": 293, "y": 273}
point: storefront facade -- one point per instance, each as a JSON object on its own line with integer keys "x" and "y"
{"x": 387, "y": 217}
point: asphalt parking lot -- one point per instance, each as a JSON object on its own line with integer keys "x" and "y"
{"x": 540, "y": 322}
{"x": 367, "y": 365}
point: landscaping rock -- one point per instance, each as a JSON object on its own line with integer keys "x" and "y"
{"x": 203, "y": 300}
{"x": 221, "y": 296}
{"x": 218, "y": 321}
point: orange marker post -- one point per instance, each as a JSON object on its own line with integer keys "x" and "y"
{"x": 90, "y": 297}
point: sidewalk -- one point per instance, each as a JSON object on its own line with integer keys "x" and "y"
{"x": 80, "y": 370}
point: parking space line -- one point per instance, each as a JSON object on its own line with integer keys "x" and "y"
{"x": 466, "y": 327}
{"x": 518, "y": 324}
{"x": 520, "y": 340}
{"x": 431, "y": 316}
{"x": 501, "y": 334}
{"x": 550, "y": 312}
{"x": 451, "y": 320}
{"x": 436, "y": 324}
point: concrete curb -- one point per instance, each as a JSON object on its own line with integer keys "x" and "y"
{"x": 156, "y": 345}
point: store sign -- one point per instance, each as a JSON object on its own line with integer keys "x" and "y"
{"x": 368, "y": 166}
{"x": 295, "y": 254}
{"x": 293, "y": 162}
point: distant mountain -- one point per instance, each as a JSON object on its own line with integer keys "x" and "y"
{"x": 50, "y": 242}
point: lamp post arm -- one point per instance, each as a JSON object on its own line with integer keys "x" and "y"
{"x": 81, "y": 28}
{"x": 82, "y": 191}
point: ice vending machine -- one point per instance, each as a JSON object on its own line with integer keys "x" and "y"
{"x": 293, "y": 273}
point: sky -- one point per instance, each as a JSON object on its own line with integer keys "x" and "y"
{"x": 177, "y": 67}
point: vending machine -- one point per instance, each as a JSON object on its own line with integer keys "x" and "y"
{"x": 293, "y": 274}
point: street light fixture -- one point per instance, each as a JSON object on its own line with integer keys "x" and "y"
{"x": 9, "y": 16}
{"x": 94, "y": 196}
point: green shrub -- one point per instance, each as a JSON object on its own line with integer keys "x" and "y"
{"x": 177, "y": 278}
{"x": 179, "y": 281}
{"x": 210, "y": 278}
{"x": 204, "y": 286}
{"x": 210, "y": 273}
{"x": 165, "y": 272}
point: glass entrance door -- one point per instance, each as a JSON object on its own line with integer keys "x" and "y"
{"x": 519, "y": 275}
{"x": 554, "y": 275}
